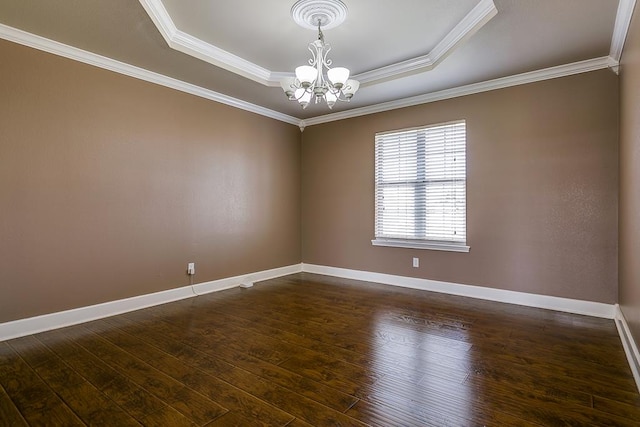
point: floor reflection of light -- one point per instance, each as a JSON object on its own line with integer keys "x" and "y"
{"x": 422, "y": 372}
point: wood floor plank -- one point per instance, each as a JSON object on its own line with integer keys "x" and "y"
{"x": 336, "y": 373}
{"x": 9, "y": 413}
{"x": 256, "y": 345}
{"x": 533, "y": 407}
{"x": 310, "y": 350}
{"x": 290, "y": 401}
{"x": 223, "y": 393}
{"x": 541, "y": 381}
{"x": 450, "y": 402}
{"x": 298, "y": 423}
{"x": 132, "y": 398}
{"x": 297, "y": 320}
{"x": 382, "y": 415}
{"x": 86, "y": 401}
{"x": 37, "y": 402}
{"x": 409, "y": 370}
{"x": 8, "y": 360}
{"x": 191, "y": 404}
{"x": 631, "y": 412}
{"x": 234, "y": 419}
{"x": 348, "y": 338}
{"x": 167, "y": 338}
{"x": 312, "y": 340}
{"x": 166, "y": 416}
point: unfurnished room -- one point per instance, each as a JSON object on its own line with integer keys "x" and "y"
{"x": 319, "y": 213}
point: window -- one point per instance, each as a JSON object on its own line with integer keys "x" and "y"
{"x": 420, "y": 187}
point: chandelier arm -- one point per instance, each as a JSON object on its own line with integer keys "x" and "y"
{"x": 338, "y": 94}
{"x": 314, "y": 54}
{"x": 294, "y": 98}
{"x": 327, "y": 62}
{"x": 333, "y": 90}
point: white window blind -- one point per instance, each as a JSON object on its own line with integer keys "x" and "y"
{"x": 420, "y": 185}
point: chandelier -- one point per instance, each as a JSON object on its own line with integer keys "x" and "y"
{"x": 312, "y": 82}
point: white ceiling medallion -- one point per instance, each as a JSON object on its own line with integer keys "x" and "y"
{"x": 325, "y": 13}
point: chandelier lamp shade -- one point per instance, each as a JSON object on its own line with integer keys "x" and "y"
{"x": 318, "y": 81}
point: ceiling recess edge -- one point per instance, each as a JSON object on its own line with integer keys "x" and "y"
{"x": 620, "y": 30}
{"x": 623, "y": 19}
{"x": 190, "y": 45}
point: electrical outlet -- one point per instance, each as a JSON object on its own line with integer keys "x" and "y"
{"x": 416, "y": 262}
{"x": 191, "y": 268}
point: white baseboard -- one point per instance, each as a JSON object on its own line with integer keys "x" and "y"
{"x": 629, "y": 344}
{"x": 33, "y": 325}
{"x": 568, "y": 305}
{"x": 232, "y": 282}
{"x": 61, "y": 319}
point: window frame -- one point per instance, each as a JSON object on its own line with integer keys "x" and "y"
{"x": 419, "y": 243}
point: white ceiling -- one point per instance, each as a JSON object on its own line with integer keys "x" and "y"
{"x": 264, "y": 33}
{"x": 236, "y": 51}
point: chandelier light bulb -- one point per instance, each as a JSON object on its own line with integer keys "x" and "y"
{"x": 303, "y": 96}
{"x": 338, "y": 76}
{"x": 331, "y": 99}
{"x": 351, "y": 87}
{"x": 306, "y": 75}
{"x": 288, "y": 86}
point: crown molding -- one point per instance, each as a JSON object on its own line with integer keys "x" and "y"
{"x": 410, "y": 66}
{"x": 501, "y": 83}
{"x": 470, "y": 24}
{"x": 193, "y": 46}
{"x": 190, "y": 45}
{"x": 31, "y": 40}
{"x": 621, "y": 28}
{"x": 60, "y": 49}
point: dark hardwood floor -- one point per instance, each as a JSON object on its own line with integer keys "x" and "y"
{"x": 308, "y": 350}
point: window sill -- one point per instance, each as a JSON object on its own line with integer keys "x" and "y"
{"x": 421, "y": 244}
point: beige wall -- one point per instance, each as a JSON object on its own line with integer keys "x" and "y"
{"x": 542, "y": 190}
{"x": 629, "y": 237}
{"x": 110, "y": 185}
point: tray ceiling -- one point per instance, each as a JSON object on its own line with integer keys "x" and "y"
{"x": 403, "y": 51}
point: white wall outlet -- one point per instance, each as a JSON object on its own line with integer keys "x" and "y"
{"x": 191, "y": 268}
{"x": 416, "y": 262}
